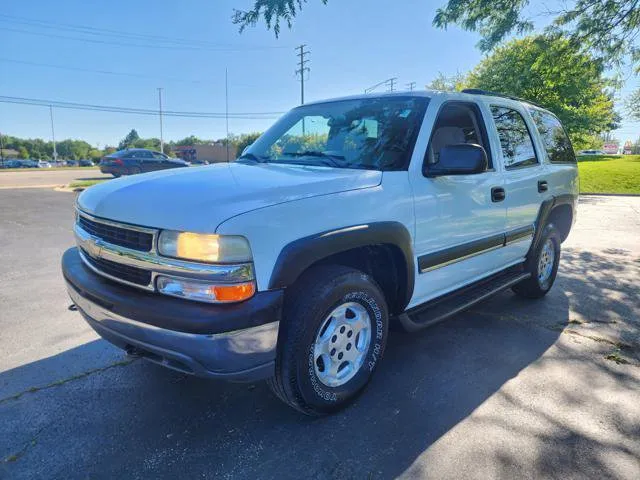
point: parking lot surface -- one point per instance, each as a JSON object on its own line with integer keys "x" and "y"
{"x": 510, "y": 389}
{"x": 42, "y": 177}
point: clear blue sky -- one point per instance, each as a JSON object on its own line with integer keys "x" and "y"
{"x": 354, "y": 44}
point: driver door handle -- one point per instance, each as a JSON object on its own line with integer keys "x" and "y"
{"x": 498, "y": 194}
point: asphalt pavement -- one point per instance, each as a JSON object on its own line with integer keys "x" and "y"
{"x": 510, "y": 389}
{"x": 47, "y": 178}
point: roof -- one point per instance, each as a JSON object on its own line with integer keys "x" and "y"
{"x": 462, "y": 95}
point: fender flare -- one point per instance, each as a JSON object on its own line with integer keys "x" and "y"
{"x": 300, "y": 254}
{"x": 546, "y": 208}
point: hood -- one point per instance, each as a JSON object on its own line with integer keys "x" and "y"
{"x": 198, "y": 199}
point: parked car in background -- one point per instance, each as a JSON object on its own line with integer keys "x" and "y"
{"x": 29, "y": 164}
{"x": 591, "y": 152}
{"x": 44, "y": 164}
{"x": 86, "y": 163}
{"x": 138, "y": 160}
{"x": 71, "y": 163}
{"x": 12, "y": 164}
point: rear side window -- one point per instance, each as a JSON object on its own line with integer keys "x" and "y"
{"x": 555, "y": 139}
{"x": 515, "y": 139}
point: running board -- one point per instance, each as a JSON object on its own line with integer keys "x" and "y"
{"x": 448, "y": 305}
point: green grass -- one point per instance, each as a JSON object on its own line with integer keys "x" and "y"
{"x": 609, "y": 174}
{"x": 85, "y": 183}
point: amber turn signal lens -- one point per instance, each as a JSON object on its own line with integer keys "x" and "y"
{"x": 234, "y": 293}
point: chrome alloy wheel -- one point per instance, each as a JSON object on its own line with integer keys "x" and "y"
{"x": 341, "y": 344}
{"x": 546, "y": 261}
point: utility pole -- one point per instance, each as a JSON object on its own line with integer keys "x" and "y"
{"x": 411, "y": 86}
{"x": 1, "y": 149}
{"x": 160, "y": 109}
{"x": 388, "y": 82}
{"x": 53, "y": 135}
{"x": 303, "y": 68}
{"x": 226, "y": 102}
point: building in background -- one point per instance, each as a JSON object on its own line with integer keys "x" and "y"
{"x": 205, "y": 153}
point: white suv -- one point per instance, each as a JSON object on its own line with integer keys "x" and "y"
{"x": 289, "y": 263}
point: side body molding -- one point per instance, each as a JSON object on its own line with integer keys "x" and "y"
{"x": 302, "y": 253}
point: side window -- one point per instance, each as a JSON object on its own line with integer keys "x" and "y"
{"x": 515, "y": 139}
{"x": 159, "y": 156}
{"x": 555, "y": 139}
{"x": 457, "y": 122}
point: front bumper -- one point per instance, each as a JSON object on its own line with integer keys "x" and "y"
{"x": 233, "y": 342}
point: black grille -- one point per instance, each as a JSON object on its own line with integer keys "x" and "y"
{"x": 117, "y": 235}
{"x": 123, "y": 272}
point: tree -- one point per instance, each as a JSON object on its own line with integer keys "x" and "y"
{"x": 190, "y": 140}
{"x": 244, "y": 140}
{"x": 607, "y": 28}
{"x": 633, "y": 105}
{"x": 23, "y": 153}
{"x": 453, "y": 83}
{"x": 273, "y": 12}
{"x": 129, "y": 140}
{"x": 547, "y": 70}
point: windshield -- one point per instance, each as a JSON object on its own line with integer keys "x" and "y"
{"x": 371, "y": 133}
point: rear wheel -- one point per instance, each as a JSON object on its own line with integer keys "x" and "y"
{"x": 332, "y": 336}
{"x": 542, "y": 265}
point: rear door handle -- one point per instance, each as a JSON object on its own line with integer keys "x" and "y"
{"x": 498, "y": 194}
{"x": 543, "y": 186}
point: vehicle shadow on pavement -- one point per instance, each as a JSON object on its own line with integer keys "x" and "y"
{"x": 140, "y": 420}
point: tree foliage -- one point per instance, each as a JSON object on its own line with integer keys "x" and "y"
{"x": 273, "y": 11}
{"x": 547, "y": 70}
{"x": 445, "y": 83}
{"x": 607, "y": 28}
{"x": 243, "y": 141}
{"x": 633, "y": 105}
{"x": 129, "y": 140}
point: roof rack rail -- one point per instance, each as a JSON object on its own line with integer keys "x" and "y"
{"x": 478, "y": 91}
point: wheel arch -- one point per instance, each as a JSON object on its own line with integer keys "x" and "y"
{"x": 560, "y": 210}
{"x": 373, "y": 248}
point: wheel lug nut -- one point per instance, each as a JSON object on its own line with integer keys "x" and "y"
{"x": 340, "y": 355}
{"x": 342, "y": 329}
{"x": 334, "y": 338}
{"x": 350, "y": 333}
{"x": 333, "y": 352}
{"x": 348, "y": 346}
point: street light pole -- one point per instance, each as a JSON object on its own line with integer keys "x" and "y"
{"x": 53, "y": 135}
{"x": 160, "y": 108}
{"x": 226, "y": 106}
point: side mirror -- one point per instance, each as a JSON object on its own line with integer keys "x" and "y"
{"x": 460, "y": 159}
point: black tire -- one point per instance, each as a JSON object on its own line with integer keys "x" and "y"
{"x": 116, "y": 175}
{"x": 534, "y": 286}
{"x": 309, "y": 303}
{"x": 134, "y": 170}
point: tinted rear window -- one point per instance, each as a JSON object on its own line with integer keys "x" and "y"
{"x": 555, "y": 139}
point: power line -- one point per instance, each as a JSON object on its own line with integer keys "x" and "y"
{"x": 102, "y": 32}
{"x": 138, "y": 45}
{"x": 389, "y": 82}
{"x": 302, "y": 64}
{"x": 411, "y": 86}
{"x": 136, "y": 111}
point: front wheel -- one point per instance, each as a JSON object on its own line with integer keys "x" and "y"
{"x": 542, "y": 265}
{"x": 332, "y": 336}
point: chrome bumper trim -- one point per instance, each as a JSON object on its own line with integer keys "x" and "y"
{"x": 99, "y": 249}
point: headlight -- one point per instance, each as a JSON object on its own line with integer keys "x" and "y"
{"x": 204, "y": 247}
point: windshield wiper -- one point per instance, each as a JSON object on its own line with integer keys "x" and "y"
{"x": 329, "y": 159}
{"x": 252, "y": 157}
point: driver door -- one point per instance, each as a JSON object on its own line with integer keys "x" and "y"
{"x": 460, "y": 219}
